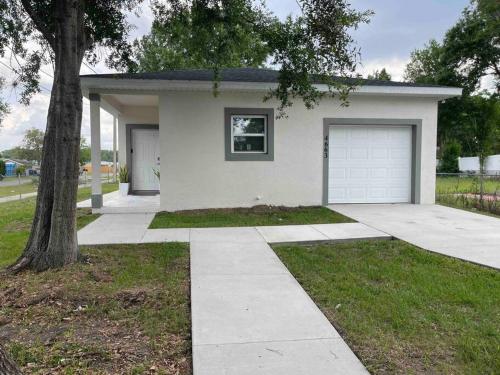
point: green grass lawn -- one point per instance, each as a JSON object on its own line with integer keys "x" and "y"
{"x": 245, "y": 217}
{"x": 16, "y": 218}
{"x": 7, "y": 191}
{"x": 452, "y": 184}
{"x": 404, "y": 310}
{"x": 462, "y": 192}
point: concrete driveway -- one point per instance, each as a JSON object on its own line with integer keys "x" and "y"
{"x": 457, "y": 233}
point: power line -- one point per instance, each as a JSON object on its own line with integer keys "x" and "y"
{"x": 88, "y": 66}
{"x": 11, "y": 50}
{"x": 13, "y": 71}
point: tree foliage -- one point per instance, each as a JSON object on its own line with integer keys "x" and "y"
{"x": 30, "y": 35}
{"x": 314, "y": 46}
{"x": 4, "y": 107}
{"x": 381, "y": 75}
{"x": 196, "y": 36}
{"x": 62, "y": 33}
{"x": 480, "y": 130}
{"x": 469, "y": 52}
{"x": 472, "y": 46}
{"x": 449, "y": 157}
{"x": 33, "y": 144}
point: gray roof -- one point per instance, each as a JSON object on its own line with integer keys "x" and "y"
{"x": 240, "y": 75}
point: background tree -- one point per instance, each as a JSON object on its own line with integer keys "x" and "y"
{"x": 84, "y": 151}
{"x": 469, "y": 52}
{"x": 380, "y": 75}
{"x": 197, "y": 36}
{"x": 449, "y": 159}
{"x": 64, "y": 33}
{"x": 214, "y": 34}
{"x": 471, "y": 47}
{"x": 4, "y": 107}
{"x": 481, "y": 127}
{"x": 3, "y": 171}
{"x": 33, "y": 144}
{"x": 107, "y": 155}
{"x": 13, "y": 153}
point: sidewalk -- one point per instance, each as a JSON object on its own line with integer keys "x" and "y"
{"x": 133, "y": 228}
{"x": 249, "y": 315}
{"x": 17, "y": 197}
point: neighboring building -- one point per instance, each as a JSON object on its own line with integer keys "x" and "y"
{"x": 106, "y": 167}
{"x": 230, "y": 150}
{"x": 471, "y": 164}
{"x": 11, "y": 166}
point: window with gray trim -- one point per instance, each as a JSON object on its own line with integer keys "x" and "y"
{"x": 249, "y": 134}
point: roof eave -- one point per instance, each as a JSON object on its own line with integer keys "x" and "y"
{"x": 155, "y": 86}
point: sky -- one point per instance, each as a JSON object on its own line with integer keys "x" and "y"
{"x": 396, "y": 29}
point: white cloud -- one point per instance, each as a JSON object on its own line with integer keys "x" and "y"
{"x": 22, "y": 118}
{"x": 395, "y": 66}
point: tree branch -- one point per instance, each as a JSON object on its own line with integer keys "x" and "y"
{"x": 38, "y": 23}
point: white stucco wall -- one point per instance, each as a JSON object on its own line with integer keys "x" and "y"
{"x": 133, "y": 115}
{"x": 195, "y": 174}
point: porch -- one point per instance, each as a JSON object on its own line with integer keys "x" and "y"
{"x": 114, "y": 203}
{"x": 135, "y": 147}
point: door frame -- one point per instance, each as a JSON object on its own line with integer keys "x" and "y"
{"x": 416, "y": 147}
{"x": 128, "y": 129}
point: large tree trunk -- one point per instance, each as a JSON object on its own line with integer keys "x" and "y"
{"x": 7, "y": 365}
{"x": 53, "y": 241}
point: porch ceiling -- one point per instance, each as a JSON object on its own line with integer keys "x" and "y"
{"x": 132, "y": 100}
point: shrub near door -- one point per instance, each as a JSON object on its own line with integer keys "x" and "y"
{"x": 124, "y": 181}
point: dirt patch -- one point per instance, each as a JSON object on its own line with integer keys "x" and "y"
{"x": 259, "y": 209}
{"x": 101, "y": 276}
{"x": 85, "y": 319}
{"x": 132, "y": 297}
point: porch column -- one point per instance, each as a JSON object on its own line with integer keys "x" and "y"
{"x": 115, "y": 124}
{"x": 95, "y": 149}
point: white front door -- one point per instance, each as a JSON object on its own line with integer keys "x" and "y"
{"x": 145, "y": 159}
{"x": 370, "y": 164}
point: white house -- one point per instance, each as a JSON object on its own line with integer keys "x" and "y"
{"x": 230, "y": 150}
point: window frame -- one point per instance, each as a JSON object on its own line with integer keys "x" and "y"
{"x": 260, "y": 135}
{"x": 230, "y": 153}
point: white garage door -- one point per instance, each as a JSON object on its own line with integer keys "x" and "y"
{"x": 369, "y": 164}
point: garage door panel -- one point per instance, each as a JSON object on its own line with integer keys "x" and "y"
{"x": 377, "y": 193}
{"x": 340, "y": 193}
{"x": 339, "y": 153}
{"x": 379, "y": 153}
{"x": 358, "y": 153}
{"x": 369, "y": 164}
{"x": 356, "y": 173}
{"x": 378, "y": 173}
{"x": 358, "y": 134}
{"x": 399, "y": 153}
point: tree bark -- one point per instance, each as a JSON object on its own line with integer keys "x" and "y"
{"x": 53, "y": 241}
{"x": 7, "y": 365}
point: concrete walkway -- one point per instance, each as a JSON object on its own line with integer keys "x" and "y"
{"x": 251, "y": 317}
{"x": 17, "y": 197}
{"x": 456, "y": 233}
{"x": 133, "y": 228}
{"x": 115, "y": 203}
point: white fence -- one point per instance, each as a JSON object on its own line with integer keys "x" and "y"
{"x": 471, "y": 164}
